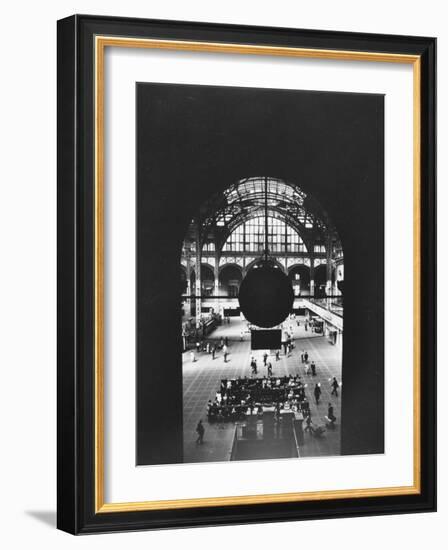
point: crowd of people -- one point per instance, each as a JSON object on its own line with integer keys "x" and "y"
{"x": 239, "y": 397}
{"x": 210, "y": 347}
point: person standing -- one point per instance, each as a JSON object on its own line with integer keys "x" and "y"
{"x": 192, "y": 356}
{"x": 277, "y": 355}
{"x": 269, "y": 369}
{"x": 284, "y": 340}
{"x": 305, "y": 357}
{"x": 213, "y": 352}
{"x": 317, "y": 393}
{"x": 225, "y": 352}
{"x": 265, "y": 358}
{"x": 330, "y": 415}
{"x": 313, "y": 368}
{"x": 200, "y": 430}
{"x": 335, "y": 386}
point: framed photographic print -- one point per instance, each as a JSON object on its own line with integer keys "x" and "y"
{"x": 246, "y": 274}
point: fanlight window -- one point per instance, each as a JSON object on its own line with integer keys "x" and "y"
{"x": 250, "y": 237}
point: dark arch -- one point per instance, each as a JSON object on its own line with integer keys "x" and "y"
{"x": 207, "y": 272}
{"x": 320, "y": 279}
{"x": 207, "y": 279}
{"x": 230, "y": 264}
{"x": 309, "y": 141}
{"x": 299, "y": 275}
{"x": 230, "y": 277}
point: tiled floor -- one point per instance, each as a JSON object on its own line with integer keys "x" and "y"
{"x": 202, "y": 378}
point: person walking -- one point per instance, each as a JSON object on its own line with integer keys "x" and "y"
{"x": 308, "y": 424}
{"x": 330, "y": 415}
{"x": 192, "y": 356}
{"x": 313, "y": 368}
{"x": 277, "y": 355}
{"x": 253, "y": 365}
{"x": 213, "y": 352}
{"x": 269, "y": 369}
{"x": 305, "y": 357}
{"x": 200, "y": 430}
{"x": 335, "y": 386}
{"x": 317, "y": 393}
{"x": 265, "y": 358}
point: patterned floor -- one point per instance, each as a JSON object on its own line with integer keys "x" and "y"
{"x": 202, "y": 378}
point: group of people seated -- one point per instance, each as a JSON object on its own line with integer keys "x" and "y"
{"x": 239, "y": 397}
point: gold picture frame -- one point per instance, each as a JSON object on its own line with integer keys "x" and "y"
{"x": 98, "y": 41}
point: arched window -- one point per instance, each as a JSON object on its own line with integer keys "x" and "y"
{"x": 250, "y": 237}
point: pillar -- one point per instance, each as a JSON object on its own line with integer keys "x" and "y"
{"x": 328, "y": 249}
{"x": 312, "y": 276}
{"x": 189, "y": 289}
{"x": 216, "y": 274}
{"x": 198, "y": 277}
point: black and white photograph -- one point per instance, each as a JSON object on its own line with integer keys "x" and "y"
{"x": 222, "y": 285}
{"x": 260, "y": 295}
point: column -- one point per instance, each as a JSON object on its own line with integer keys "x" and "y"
{"x": 338, "y": 276}
{"x": 188, "y": 270}
{"x": 328, "y": 249}
{"x": 312, "y": 276}
{"x": 216, "y": 274}
{"x": 198, "y": 277}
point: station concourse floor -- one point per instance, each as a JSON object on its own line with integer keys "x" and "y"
{"x": 202, "y": 379}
